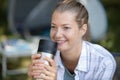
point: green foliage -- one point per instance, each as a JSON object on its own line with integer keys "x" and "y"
{"x": 3, "y": 19}
{"x": 111, "y": 41}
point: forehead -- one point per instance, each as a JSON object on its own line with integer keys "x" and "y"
{"x": 64, "y": 18}
{"x": 67, "y": 15}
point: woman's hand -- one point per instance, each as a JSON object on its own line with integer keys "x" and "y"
{"x": 35, "y": 58}
{"x": 39, "y": 70}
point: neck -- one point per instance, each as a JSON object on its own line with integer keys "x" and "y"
{"x": 71, "y": 55}
{"x": 70, "y": 59}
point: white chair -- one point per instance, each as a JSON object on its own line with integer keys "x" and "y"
{"x": 19, "y": 48}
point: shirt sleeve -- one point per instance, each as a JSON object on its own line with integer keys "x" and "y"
{"x": 108, "y": 69}
{"x": 107, "y": 66}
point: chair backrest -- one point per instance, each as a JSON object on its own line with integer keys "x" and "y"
{"x": 30, "y": 15}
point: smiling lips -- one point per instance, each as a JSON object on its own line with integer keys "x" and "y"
{"x": 60, "y": 42}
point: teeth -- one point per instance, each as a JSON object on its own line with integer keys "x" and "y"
{"x": 60, "y": 42}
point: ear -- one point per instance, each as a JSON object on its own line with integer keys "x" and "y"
{"x": 83, "y": 29}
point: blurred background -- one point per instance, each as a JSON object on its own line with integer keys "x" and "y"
{"x": 21, "y": 19}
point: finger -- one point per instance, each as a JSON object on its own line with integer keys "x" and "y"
{"x": 51, "y": 61}
{"x": 51, "y": 69}
{"x": 36, "y": 75}
{"x": 45, "y": 77}
{"x": 35, "y": 56}
{"x": 48, "y": 73}
{"x": 38, "y": 67}
{"x": 30, "y": 71}
{"x": 35, "y": 71}
{"x": 41, "y": 76}
{"x": 37, "y": 61}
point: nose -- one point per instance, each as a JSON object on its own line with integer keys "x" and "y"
{"x": 58, "y": 33}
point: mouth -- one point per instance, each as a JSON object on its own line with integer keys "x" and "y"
{"x": 60, "y": 42}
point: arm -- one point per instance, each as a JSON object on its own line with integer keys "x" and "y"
{"x": 109, "y": 71}
{"x": 106, "y": 69}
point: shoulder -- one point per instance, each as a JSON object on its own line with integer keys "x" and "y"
{"x": 97, "y": 49}
{"x": 100, "y": 53}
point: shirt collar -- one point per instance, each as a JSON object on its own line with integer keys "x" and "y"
{"x": 58, "y": 60}
{"x": 83, "y": 63}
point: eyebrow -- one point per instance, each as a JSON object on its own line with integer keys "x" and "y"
{"x": 53, "y": 23}
{"x": 62, "y": 24}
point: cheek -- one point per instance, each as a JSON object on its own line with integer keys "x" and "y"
{"x": 72, "y": 34}
{"x": 52, "y": 35}
{"x": 75, "y": 35}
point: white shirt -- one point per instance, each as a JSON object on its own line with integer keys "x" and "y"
{"x": 95, "y": 63}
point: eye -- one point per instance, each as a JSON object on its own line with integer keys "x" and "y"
{"x": 66, "y": 28}
{"x": 52, "y": 26}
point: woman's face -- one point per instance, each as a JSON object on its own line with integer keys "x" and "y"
{"x": 65, "y": 31}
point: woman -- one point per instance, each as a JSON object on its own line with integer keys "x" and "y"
{"x": 76, "y": 58}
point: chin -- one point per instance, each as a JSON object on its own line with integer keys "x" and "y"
{"x": 61, "y": 49}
